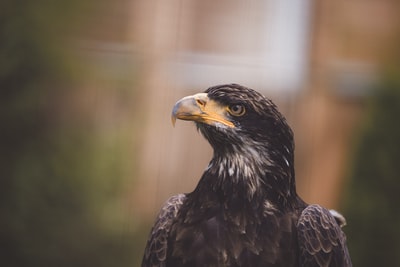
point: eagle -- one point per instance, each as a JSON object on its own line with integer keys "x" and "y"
{"x": 244, "y": 210}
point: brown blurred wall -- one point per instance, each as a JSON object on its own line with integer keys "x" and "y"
{"x": 350, "y": 44}
{"x": 347, "y": 45}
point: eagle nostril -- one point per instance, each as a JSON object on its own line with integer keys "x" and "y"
{"x": 200, "y": 102}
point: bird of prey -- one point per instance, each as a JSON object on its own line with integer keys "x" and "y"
{"x": 245, "y": 210}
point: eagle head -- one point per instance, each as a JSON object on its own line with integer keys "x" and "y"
{"x": 251, "y": 140}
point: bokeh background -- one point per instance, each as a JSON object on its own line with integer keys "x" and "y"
{"x": 88, "y": 153}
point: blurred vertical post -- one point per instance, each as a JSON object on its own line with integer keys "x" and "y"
{"x": 67, "y": 120}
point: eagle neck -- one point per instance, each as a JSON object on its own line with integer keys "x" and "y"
{"x": 251, "y": 178}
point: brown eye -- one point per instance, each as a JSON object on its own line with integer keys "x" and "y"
{"x": 237, "y": 110}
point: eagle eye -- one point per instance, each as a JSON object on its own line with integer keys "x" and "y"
{"x": 237, "y": 110}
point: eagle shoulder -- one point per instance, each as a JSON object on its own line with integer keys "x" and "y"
{"x": 155, "y": 253}
{"x": 321, "y": 240}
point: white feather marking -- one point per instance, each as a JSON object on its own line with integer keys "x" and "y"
{"x": 221, "y": 169}
{"x": 209, "y": 166}
{"x": 286, "y": 161}
{"x": 231, "y": 171}
{"x": 253, "y": 185}
{"x": 246, "y": 171}
{"x": 339, "y": 218}
{"x": 269, "y": 208}
{"x": 254, "y": 153}
{"x": 220, "y": 126}
{"x": 288, "y": 193}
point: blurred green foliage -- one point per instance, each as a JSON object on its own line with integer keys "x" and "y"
{"x": 60, "y": 178}
{"x": 373, "y": 197}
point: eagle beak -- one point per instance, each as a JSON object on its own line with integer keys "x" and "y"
{"x": 199, "y": 108}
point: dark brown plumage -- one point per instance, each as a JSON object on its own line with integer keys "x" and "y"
{"x": 245, "y": 210}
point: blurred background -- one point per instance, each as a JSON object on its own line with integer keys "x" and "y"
{"x": 88, "y": 153}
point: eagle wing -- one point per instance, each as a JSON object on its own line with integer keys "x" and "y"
{"x": 155, "y": 253}
{"x": 321, "y": 240}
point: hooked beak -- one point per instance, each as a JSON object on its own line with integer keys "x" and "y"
{"x": 200, "y": 108}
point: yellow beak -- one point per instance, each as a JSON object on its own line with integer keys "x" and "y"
{"x": 200, "y": 108}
